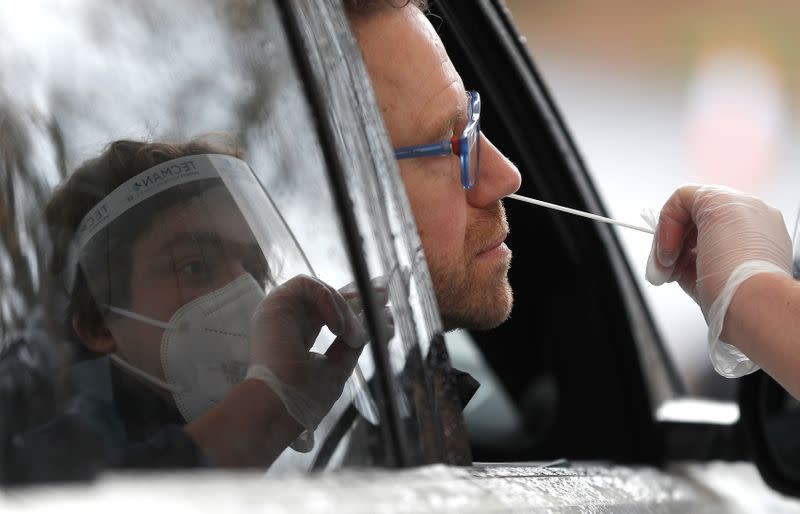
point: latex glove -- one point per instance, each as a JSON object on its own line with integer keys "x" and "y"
{"x": 285, "y": 326}
{"x": 710, "y": 239}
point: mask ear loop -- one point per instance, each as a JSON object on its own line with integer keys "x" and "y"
{"x": 138, "y": 317}
{"x": 147, "y": 377}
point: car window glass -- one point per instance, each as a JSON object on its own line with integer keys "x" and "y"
{"x": 180, "y": 251}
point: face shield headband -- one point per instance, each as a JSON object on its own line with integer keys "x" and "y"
{"x": 119, "y": 217}
{"x": 234, "y": 173}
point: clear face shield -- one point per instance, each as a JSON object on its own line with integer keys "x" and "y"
{"x": 201, "y": 284}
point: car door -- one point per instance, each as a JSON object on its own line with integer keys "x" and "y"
{"x": 351, "y": 216}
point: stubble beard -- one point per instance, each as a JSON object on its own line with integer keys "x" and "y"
{"x": 474, "y": 295}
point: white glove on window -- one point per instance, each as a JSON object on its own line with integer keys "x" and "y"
{"x": 710, "y": 239}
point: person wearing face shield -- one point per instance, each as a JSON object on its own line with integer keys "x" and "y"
{"x": 731, "y": 253}
{"x": 182, "y": 287}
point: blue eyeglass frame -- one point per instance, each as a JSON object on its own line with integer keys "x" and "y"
{"x": 458, "y": 145}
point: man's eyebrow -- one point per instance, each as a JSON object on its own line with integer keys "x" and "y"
{"x": 198, "y": 238}
{"x": 444, "y": 128}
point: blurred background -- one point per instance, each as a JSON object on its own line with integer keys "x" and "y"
{"x": 657, "y": 94}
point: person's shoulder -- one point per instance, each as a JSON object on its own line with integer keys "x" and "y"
{"x": 33, "y": 427}
{"x": 27, "y": 383}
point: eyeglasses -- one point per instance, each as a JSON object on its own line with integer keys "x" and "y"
{"x": 466, "y": 146}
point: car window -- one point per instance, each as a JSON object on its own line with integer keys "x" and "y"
{"x": 111, "y": 289}
{"x": 656, "y": 96}
{"x": 579, "y": 348}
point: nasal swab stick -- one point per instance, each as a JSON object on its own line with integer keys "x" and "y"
{"x": 580, "y": 213}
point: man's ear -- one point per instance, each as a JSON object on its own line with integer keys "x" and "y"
{"x": 96, "y": 339}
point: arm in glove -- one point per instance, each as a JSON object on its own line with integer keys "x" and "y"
{"x": 288, "y": 389}
{"x": 711, "y": 240}
{"x": 285, "y": 327}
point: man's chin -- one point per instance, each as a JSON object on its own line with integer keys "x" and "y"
{"x": 480, "y": 313}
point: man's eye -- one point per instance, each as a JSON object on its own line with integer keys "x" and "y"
{"x": 195, "y": 268}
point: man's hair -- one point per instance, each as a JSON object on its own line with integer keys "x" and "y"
{"x": 91, "y": 182}
{"x": 360, "y": 8}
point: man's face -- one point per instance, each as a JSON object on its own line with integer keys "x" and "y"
{"x": 189, "y": 250}
{"x": 422, "y": 99}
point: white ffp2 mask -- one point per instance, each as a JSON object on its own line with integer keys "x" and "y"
{"x": 205, "y": 347}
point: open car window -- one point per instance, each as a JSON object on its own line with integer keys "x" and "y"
{"x": 578, "y": 370}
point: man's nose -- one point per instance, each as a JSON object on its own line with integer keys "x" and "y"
{"x": 235, "y": 268}
{"x": 497, "y": 176}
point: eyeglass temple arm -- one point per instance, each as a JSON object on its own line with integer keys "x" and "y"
{"x": 427, "y": 150}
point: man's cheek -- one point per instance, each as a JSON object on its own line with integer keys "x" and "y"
{"x": 445, "y": 222}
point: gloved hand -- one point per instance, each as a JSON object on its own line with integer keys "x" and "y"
{"x": 285, "y": 326}
{"x": 710, "y": 239}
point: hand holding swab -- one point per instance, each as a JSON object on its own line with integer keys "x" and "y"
{"x": 580, "y": 213}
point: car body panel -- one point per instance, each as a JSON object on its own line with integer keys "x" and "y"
{"x": 714, "y": 487}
